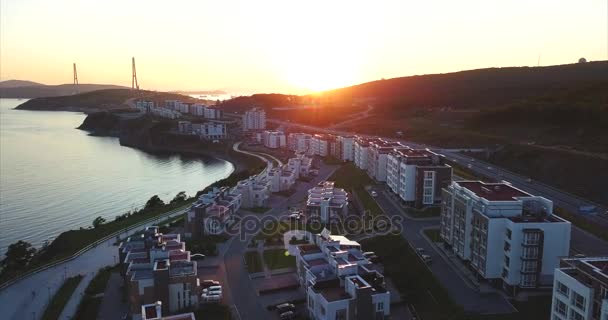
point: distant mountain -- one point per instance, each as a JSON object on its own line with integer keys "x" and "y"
{"x": 38, "y": 90}
{"x": 18, "y": 83}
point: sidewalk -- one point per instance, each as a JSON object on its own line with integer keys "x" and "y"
{"x": 69, "y": 310}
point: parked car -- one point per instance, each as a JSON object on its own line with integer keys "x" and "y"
{"x": 369, "y": 253}
{"x": 212, "y": 289}
{"x": 426, "y": 258}
{"x": 295, "y": 216}
{"x": 197, "y": 256}
{"x": 287, "y": 315}
{"x": 209, "y": 283}
{"x": 420, "y": 250}
{"x": 211, "y": 297}
{"x": 374, "y": 193}
{"x": 284, "y": 307}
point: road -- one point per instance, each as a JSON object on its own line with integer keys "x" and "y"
{"x": 28, "y": 297}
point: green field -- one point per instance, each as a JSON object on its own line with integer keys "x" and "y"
{"x": 61, "y": 298}
{"x": 277, "y": 259}
{"x": 253, "y": 262}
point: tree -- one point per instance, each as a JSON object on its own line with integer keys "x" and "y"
{"x": 154, "y": 202}
{"x": 98, "y": 222}
{"x": 19, "y": 254}
{"x": 181, "y": 196}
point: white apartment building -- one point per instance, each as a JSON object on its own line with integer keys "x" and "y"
{"x": 300, "y": 165}
{"x": 510, "y": 237}
{"x": 320, "y": 145}
{"x": 377, "y": 158}
{"x": 299, "y": 142}
{"x": 580, "y": 289}
{"x": 212, "y": 212}
{"x": 153, "y": 311}
{"x": 327, "y": 202}
{"x": 273, "y": 139}
{"x": 254, "y": 119}
{"x": 347, "y": 148}
{"x": 417, "y": 176}
{"x": 340, "y": 283}
{"x": 361, "y": 151}
{"x": 207, "y": 130}
{"x": 281, "y": 178}
{"x": 144, "y": 106}
{"x": 254, "y": 190}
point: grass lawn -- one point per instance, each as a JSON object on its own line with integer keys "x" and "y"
{"x": 425, "y": 212}
{"x": 354, "y": 179}
{"x": 433, "y": 234}
{"x": 582, "y": 223}
{"x": 61, "y": 297}
{"x": 206, "y": 245}
{"x": 88, "y": 308}
{"x": 253, "y": 262}
{"x": 98, "y": 284}
{"x": 276, "y": 259}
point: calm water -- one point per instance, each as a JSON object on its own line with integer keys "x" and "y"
{"x": 54, "y": 178}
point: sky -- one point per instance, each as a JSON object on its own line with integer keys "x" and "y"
{"x": 288, "y": 46}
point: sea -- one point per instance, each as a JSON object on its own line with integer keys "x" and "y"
{"x": 54, "y": 177}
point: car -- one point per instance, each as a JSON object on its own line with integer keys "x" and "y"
{"x": 211, "y": 297}
{"x": 212, "y": 289}
{"x": 209, "y": 283}
{"x": 295, "y": 216}
{"x": 197, "y": 256}
{"x": 373, "y": 193}
{"x": 369, "y": 253}
{"x": 489, "y": 168}
{"x": 469, "y": 166}
{"x": 426, "y": 258}
{"x": 420, "y": 250}
{"x": 287, "y": 315}
{"x": 284, "y": 307}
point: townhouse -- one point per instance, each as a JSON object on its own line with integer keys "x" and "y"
{"x": 157, "y": 267}
{"x": 327, "y": 202}
{"x": 281, "y": 178}
{"x": 254, "y": 190}
{"x": 340, "y": 283}
{"x": 580, "y": 289}
{"x": 507, "y": 236}
{"x": 212, "y": 212}
{"x": 417, "y": 176}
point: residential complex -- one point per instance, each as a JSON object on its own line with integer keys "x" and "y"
{"x": 254, "y": 119}
{"x": 377, "y": 157}
{"x": 300, "y": 142}
{"x": 273, "y": 139}
{"x": 580, "y": 289}
{"x": 327, "y": 202}
{"x": 509, "y": 237}
{"x": 346, "y": 148}
{"x": 174, "y": 109}
{"x": 340, "y": 283}
{"x": 300, "y": 165}
{"x": 361, "y": 151}
{"x": 417, "y": 176}
{"x": 281, "y": 178}
{"x": 206, "y": 131}
{"x": 212, "y": 212}
{"x": 254, "y": 190}
{"x": 154, "y": 311}
{"x": 320, "y": 145}
{"x": 157, "y": 267}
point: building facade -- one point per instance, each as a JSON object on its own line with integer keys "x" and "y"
{"x": 346, "y": 148}
{"x": 580, "y": 289}
{"x": 212, "y": 212}
{"x": 273, "y": 139}
{"x": 509, "y": 237}
{"x": 327, "y": 202}
{"x": 254, "y": 119}
{"x": 299, "y": 142}
{"x": 377, "y": 157}
{"x": 300, "y": 165}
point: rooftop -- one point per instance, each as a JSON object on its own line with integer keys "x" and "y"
{"x": 182, "y": 268}
{"x": 493, "y": 191}
{"x": 309, "y": 248}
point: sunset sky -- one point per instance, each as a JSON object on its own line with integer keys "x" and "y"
{"x": 288, "y": 46}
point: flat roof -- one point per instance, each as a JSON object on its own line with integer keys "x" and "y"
{"x": 309, "y": 248}
{"x": 317, "y": 262}
{"x": 493, "y": 191}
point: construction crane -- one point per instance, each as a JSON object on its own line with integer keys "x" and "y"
{"x": 134, "y": 84}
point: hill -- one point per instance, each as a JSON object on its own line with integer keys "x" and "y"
{"x": 38, "y": 90}
{"x": 18, "y": 83}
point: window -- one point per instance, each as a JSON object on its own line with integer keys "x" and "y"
{"x": 505, "y": 273}
{"x": 322, "y": 310}
{"x": 560, "y": 307}
{"x": 575, "y": 315}
{"x": 380, "y": 306}
{"x": 341, "y": 314}
{"x": 562, "y": 288}
{"x": 603, "y": 293}
{"x": 528, "y": 266}
{"x": 507, "y": 246}
{"x": 578, "y": 301}
{"x": 507, "y": 261}
{"x": 528, "y": 280}
{"x": 509, "y": 233}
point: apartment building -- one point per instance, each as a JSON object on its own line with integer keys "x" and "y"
{"x": 580, "y": 289}
{"x": 254, "y": 190}
{"x": 157, "y": 267}
{"x": 377, "y": 157}
{"x": 340, "y": 283}
{"x": 320, "y": 144}
{"x": 346, "y": 151}
{"x": 417, "y": 176}
{"x": 273, "y": 139}
{"x": 154, "y": 311}
{"x": 254, "y": 119}
{"x": 507, "y": 236}
{"x": 206, "y": 131}
{"x": 327, "y": 202}
{"x": 144, "y": 106}
{"x": 212, "y": 212}
{"x": 299, "y": 142}
{"x": 300, "y": 165}
{"x": 361, "y": 151}
{"x": 281, "y": 178}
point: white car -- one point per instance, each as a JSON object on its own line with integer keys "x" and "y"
{"x": 373, "y": 193}
{"x": 211, "y": 297}
{"x": 212, "y": 289}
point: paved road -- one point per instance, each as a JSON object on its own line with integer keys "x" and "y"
{"x": 17, "y": 301}
{"x": 470, "y": 298}
{"x": 242, "y": 290}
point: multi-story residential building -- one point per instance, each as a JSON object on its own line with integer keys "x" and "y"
{"x": 340, "y": 283}
{"x": 212, "y": 113}
{"x": 361, "y": 151}
{"x": 299, "y": 142}
{"x": 580, "y": 289}
{"x": 206, "y": 131}
{"x": 157, "y": 267}
{"x": 300, "y": 165}
{"x": 254, "y": 190}
{"x": 212, "y": 212}
{"x": 273, "y": 139}
{"x": 377, "y": 157}
{"x": 254, "y": 119}
{"x": 510, "y": 238}
{"x": 281, "y": 178}
{"x": 327, "y": 202}
{"x": 154, "y": 311}
{"x": 346, "y": 148}
{"x": 417, "y": 176}
{"x": 320, "y": 145}
{"x": 144, "y": 106}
